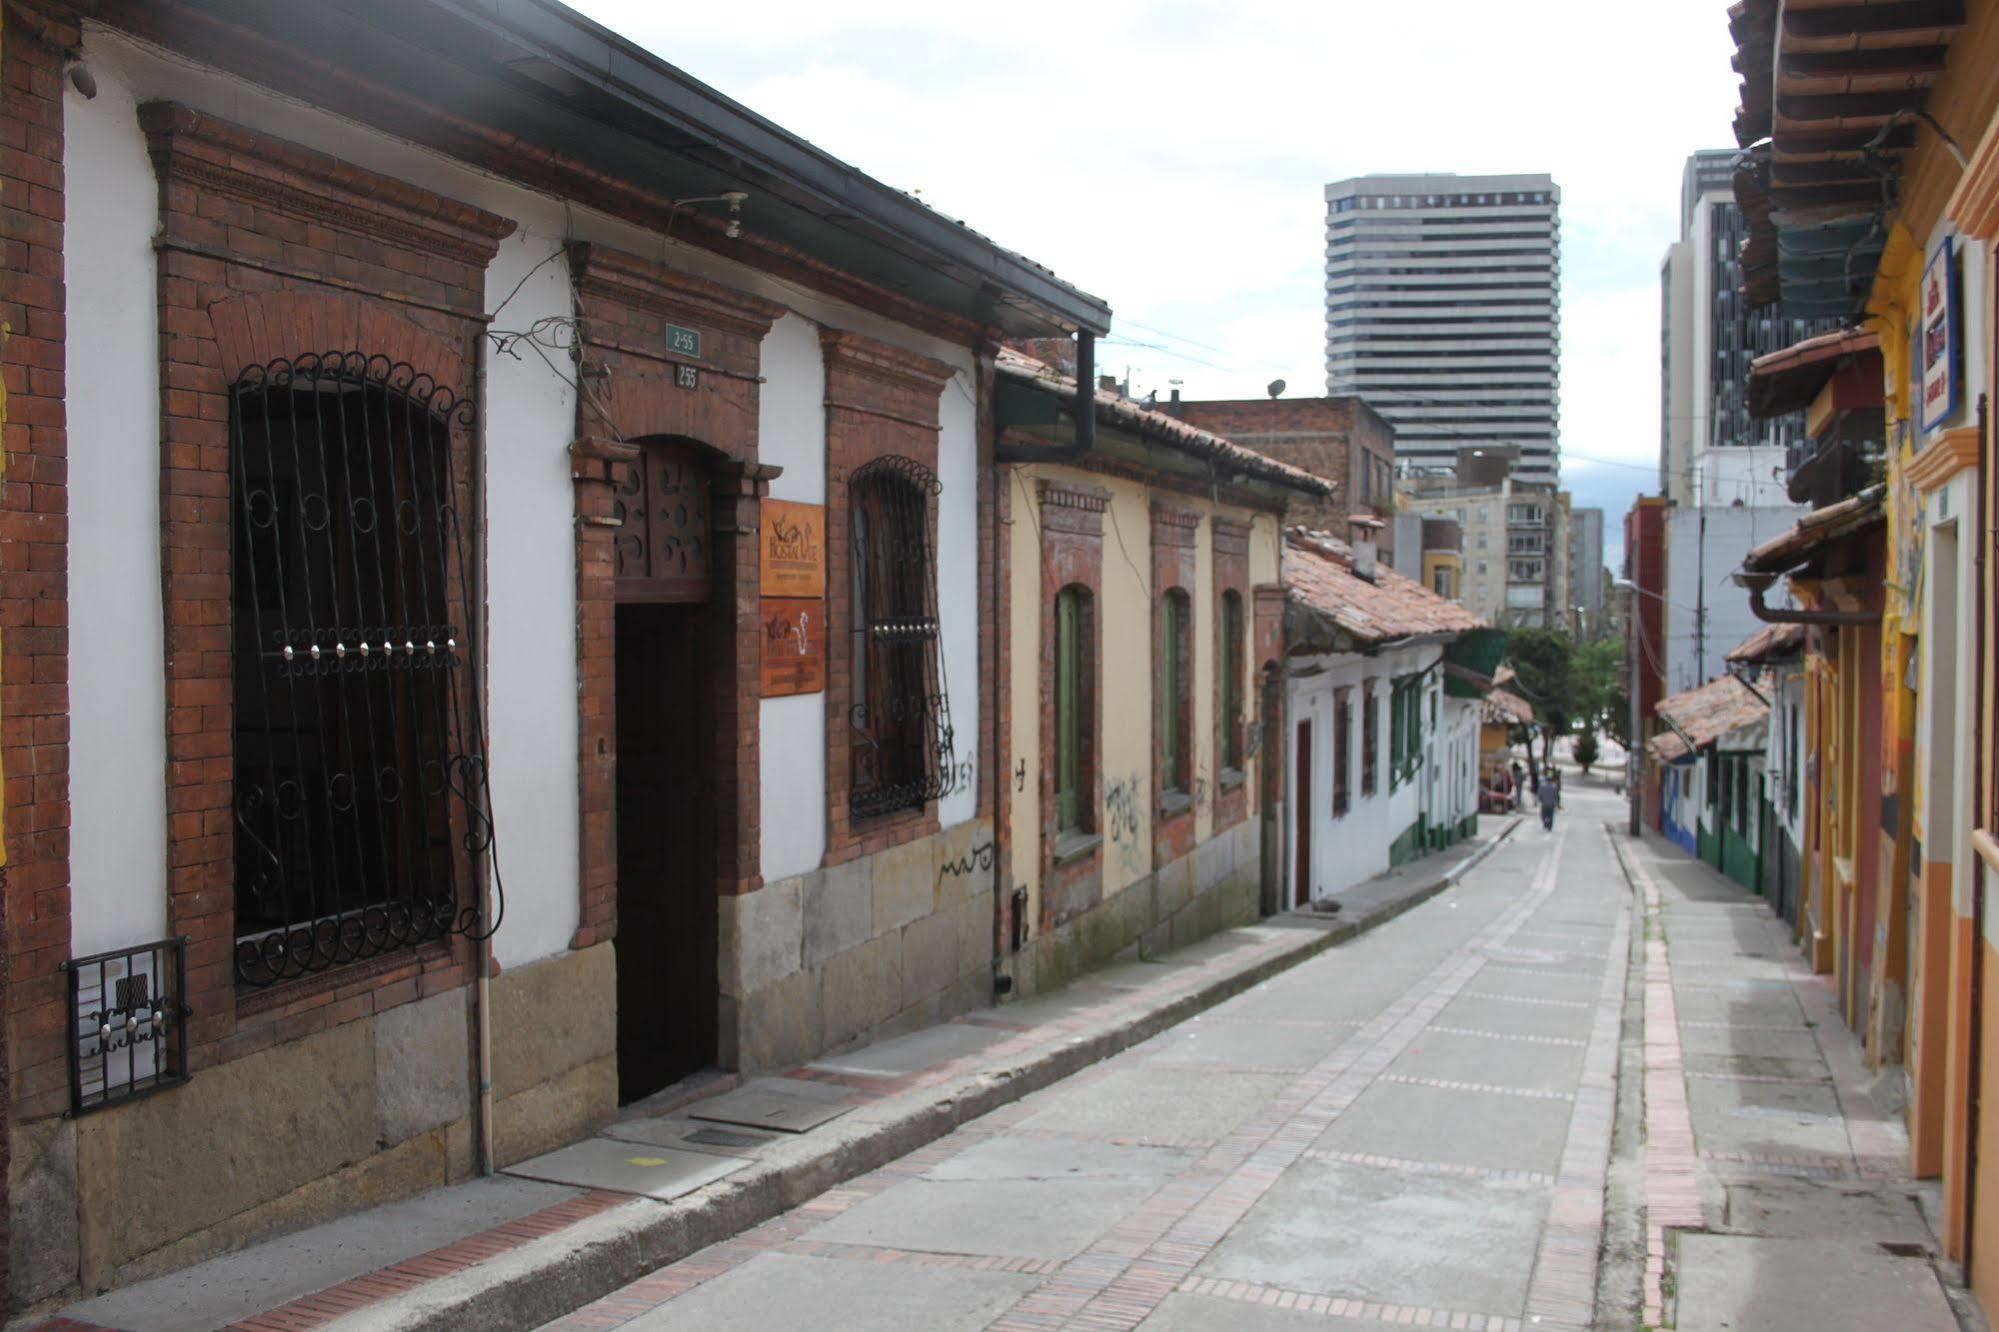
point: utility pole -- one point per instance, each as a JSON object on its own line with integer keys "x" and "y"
{"x": 1700, "y": 596}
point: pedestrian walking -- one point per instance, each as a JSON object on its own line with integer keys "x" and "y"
{"x": 1549, "y": 793}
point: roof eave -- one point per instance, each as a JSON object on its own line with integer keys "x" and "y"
{"x": 565, "y": 88}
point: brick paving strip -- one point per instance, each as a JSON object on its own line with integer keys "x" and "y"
{"x": 624, "y": 1240}
{"x": 1672, "y": 1166}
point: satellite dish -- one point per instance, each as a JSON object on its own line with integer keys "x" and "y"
{"x": 1275, "y": 388}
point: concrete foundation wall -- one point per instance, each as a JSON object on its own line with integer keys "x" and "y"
{"x": 361, "y": 1114}
{"x": 1211, "y": 889}
{"x": 856, "y": 951}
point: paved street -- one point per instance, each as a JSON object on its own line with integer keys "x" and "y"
{"x": 1410, "y": 1128}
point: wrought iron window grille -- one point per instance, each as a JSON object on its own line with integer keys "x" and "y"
{"x": 902, "y": 751}
{"x": 127, "y": 1023}
{"x": 362, "y": 806}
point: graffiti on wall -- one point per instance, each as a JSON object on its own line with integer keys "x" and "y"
{"x": 1121, "y": 822}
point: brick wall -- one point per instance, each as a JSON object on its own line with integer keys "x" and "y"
{"x": 1230, "y": 571}
{"x": 34, "y": 534}
{"x": 1072, "y": 553}
{"x": 268, "y": 251}
{"x": 880, "y": 400}
{"x": 1174, "y": 534}
{"x": 1338, "y": 438}
{"x": 624, "y": 305}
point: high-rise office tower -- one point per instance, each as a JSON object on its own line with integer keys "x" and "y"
{"x": 1708, "y": 337}
{"x": 1722, "y": 472}
{"x": 1443, "y": 311}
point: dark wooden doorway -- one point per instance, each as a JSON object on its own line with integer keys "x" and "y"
{"x": 1270, "y": 792}
{"x": 666, "y": 623}
{"x": 666, "y": 941}
{"x": 1301, "y": 818}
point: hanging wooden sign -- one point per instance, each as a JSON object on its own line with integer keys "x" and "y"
{"x": 794, "y": 646}
{"x": 792, "y": 550}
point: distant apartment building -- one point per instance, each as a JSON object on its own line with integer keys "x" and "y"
{"x": 1443, "y": 300}
{"x": 1512, "y": 542}
{"x": 1340, "y": 439}
{"x": 1708, "y": 337}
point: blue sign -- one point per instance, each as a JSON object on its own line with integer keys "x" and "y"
{"x": 1939, "y": 350}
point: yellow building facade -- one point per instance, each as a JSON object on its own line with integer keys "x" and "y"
{"x": 1142, "y": 617}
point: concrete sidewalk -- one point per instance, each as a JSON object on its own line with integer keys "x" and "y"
{"x": 1776, "y": 1186}
{"x": 551, "y": 1234}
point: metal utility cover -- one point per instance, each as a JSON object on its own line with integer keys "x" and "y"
{"x": 760, "y": 1107}
{"x": 629, "y": 1167}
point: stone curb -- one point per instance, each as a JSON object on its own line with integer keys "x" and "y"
{"x": 548, "y": 1278}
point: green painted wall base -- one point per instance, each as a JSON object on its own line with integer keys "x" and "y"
{"x": 1738, "y": 859}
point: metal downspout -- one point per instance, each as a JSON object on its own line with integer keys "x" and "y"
{"x": 1981, "y": 620}
{"x": 1085, "y": 409}
{"x": 482, "y": 1005}
{"x": 1759, "y": 583}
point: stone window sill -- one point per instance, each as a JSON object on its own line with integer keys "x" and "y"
{"x": 1231, "y": 778}
{"x": 1073, "y": 846}
{"x": 1174, "y": 803}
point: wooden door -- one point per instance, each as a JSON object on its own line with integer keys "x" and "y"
{"x": 666, "y": 940}
{"x": 1301, "y": 815}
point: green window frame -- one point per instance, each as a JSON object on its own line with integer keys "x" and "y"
{"x": 1232, "y": 670}
{"x": 1175, "y": 683}
{"x": 1071, "y": 706}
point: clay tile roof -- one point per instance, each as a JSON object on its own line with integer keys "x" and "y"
{"x": 1773, "y": 642}
{"x": 1787, "y": 380}
{"x": 1319, "y": 576}
{"x": 1505, "y": 706}
{"x": 1790, "y": 548}
{"x": 1706, "y": 714}
{"x": 1175, "y": 434}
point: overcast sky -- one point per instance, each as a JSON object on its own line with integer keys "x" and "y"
{"x": 1169, "y": 156}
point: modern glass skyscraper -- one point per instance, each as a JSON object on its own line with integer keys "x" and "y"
{"x": 1708, "y": 337}
{"x": 1443, "y": 311}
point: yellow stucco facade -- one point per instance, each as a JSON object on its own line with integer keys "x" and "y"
{"x": 1127, "y": 805}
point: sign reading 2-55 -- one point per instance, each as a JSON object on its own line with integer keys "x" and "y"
{"x": 682, "y": 341}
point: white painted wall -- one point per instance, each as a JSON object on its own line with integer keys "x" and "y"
{"x": 531, "y": 599}
{"x": 791, "y": 756}
{"x": 117, "y": 789}
{"x": 1355, "y": 847}
{"x": 1751, "y": 477}
{"x": 1730, "y": 533}
{"x": 958, "y": 585}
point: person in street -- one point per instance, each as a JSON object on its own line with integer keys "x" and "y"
{"x": 1519, "y": 789}
{"x": 1549, "y": 793}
